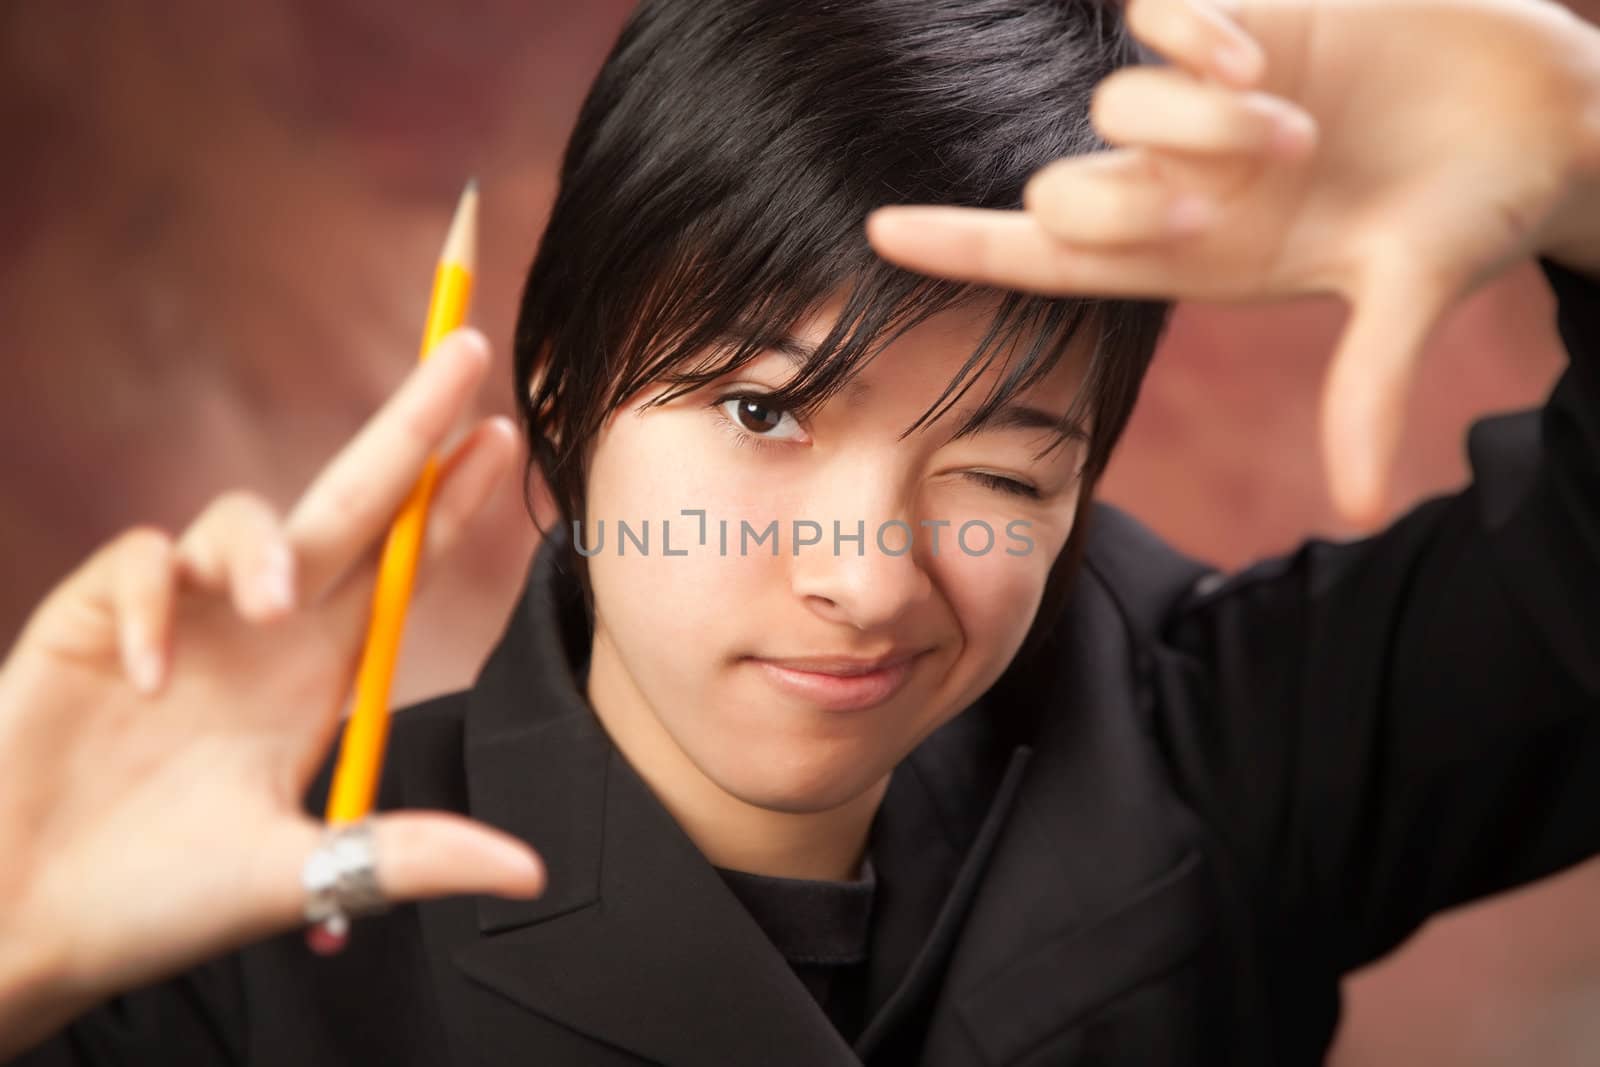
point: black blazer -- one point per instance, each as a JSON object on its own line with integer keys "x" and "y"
{"x": 1159, "y": 842}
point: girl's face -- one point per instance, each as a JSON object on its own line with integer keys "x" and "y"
{"x": 727, "y": 665}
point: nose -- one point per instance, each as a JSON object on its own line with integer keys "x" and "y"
{"x": 863, "y": 571}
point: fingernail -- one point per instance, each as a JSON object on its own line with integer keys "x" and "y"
{"x": 274, "y": 585}
{"x": 474, "y": 340}
{"x": 884, "y": 220}
{"x": 527, "y": 864}
{"x": 273, "y": 593}
{"x": 144, "y": 669}
{"x": 1189, "y": 213}
{"x": 1294, "y": 133}
{"x": 1240, "y": 61}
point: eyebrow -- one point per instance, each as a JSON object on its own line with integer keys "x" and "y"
{"x": 1003, "y": 418}
{"x": 1023, "y": 417}
{"x": 795, "y": 352}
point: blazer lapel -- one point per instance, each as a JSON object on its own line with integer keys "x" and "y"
{"x": 1098, "y": 880}
{"x": 637, "y": 942}
{"x": 664, "y": 962}
{"x": 925, "y": 794}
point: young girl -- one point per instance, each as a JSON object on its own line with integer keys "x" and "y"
{"x": 847, "y": 726}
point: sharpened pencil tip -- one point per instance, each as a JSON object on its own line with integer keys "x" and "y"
{"x": 461, "y": 244}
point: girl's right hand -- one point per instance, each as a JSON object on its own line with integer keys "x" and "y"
{"x": 166, "y": 706}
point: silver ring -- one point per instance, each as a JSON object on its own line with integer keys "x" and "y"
{"x": 341, "y": 876}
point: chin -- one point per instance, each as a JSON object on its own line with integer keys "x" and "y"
{"x": 799, "y": 788}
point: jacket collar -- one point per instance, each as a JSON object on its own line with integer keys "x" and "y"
{"x": 637, "y": 942}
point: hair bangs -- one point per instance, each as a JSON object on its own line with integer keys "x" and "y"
{"x": 691, "y": 343}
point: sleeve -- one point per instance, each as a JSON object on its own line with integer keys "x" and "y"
{"x": 193, "y": 1020}
{"x": 1386, "y": 728}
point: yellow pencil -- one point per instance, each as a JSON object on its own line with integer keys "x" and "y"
{"x": 355, "y": 777}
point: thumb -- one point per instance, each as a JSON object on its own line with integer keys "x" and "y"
{"x": 429, "y": 854}
{"x": 419, "y": 854}
{"x": 1394, "y": 309}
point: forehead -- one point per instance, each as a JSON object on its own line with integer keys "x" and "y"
{"x": 935, "y": 352}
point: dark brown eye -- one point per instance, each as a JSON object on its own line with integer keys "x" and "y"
{"x": 758, "y": 418}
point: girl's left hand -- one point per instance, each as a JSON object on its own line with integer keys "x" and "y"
{"x": 1396, "y": 152}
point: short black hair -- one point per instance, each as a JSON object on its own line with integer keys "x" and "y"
{"x": 716, "y": 185}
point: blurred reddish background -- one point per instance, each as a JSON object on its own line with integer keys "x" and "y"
{"x": 220, "y": 223}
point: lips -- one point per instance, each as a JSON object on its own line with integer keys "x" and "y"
{"x": 842, "y": 666}
{"x": 840, "y": 683}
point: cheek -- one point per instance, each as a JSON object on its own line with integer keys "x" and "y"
{"x": 659, "y": 463}
{"x": 649, "y": 471}
{"x": 993, "y": 598}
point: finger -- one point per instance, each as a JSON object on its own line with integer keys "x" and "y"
{"x": 82, "y": 616}
{"x": 1199, "y": 37}
{"x": 1160, "y": 107}
{"x": 238, "y": 546}
{"x": 433, "y": 854}
{"x": 1112, "y": 198}
{"x": 350, "y": 504}
{"x": 104, "y": 611}
{"x": 1009, "y": 249}
{"x": 143, "y": 587}
{"x": 420, "y": 856}
{"x": 1369, "y": 381}
{"x": 467, "y": 481}
{"x": 98, "y": 611}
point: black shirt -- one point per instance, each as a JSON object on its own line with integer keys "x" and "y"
{"x": 822, "y": 929}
